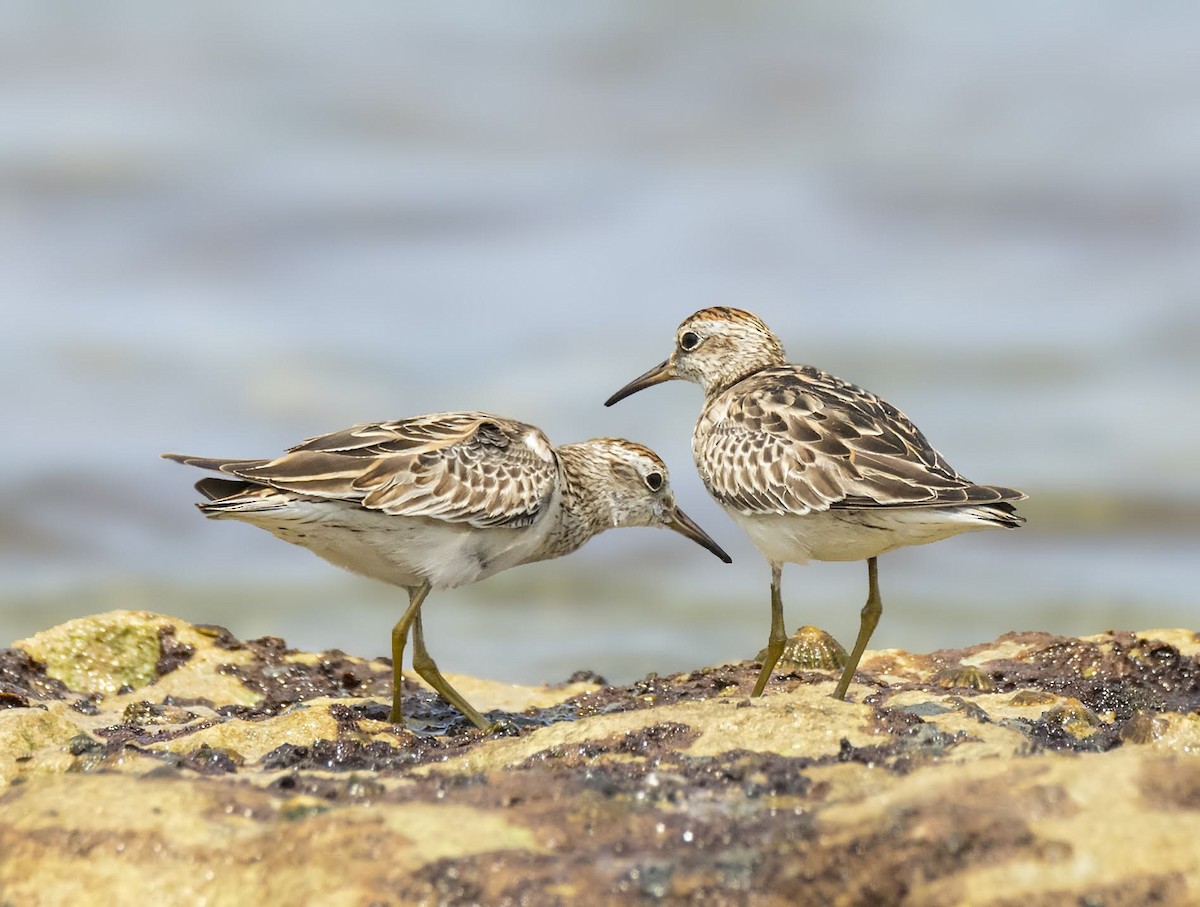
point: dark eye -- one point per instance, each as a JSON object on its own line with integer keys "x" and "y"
{"x": 689, "y": 341}
{"x": 654, "y": 480}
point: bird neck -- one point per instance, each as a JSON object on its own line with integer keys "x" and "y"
{"x": 727, "y": 379}
{"x": 586, "y": 509}
{"x": 748, "y": 359}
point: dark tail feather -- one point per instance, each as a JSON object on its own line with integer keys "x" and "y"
{"x": 1000, "y": 493}
{"x": 217, "y": 489}
{"x": 229, "y": 498}
{"x": 1003, "y": 513}
{"x": 216, "y": 464}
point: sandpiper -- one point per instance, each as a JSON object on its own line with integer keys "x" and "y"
{"x": 811, "y": 466}
{"x": 443, "y": 500}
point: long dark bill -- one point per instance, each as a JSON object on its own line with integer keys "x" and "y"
{"x": 656, "y": 375}
{"x": 684, "y": 525}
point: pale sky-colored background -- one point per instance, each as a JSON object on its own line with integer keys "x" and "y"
{"x": 227, "y": 227}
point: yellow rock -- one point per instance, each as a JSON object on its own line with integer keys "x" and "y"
{"x": 100, "y": 654}
{"x": 106, "y": 652}
{"x": 34, "y": 740}
{"x": 1075, "y": 780}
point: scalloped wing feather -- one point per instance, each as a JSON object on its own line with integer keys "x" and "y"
{"x": 473, "y": 468}
{"x": 794, "y": 439}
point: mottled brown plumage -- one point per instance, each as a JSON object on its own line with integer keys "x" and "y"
{"x": 811, "y": 466}
{"x": 438, "y": 501}
{"x": 466, "y": 467}
{"x": 794, "y": 439}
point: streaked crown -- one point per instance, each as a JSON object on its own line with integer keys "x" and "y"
{"x": 720, "y": 345}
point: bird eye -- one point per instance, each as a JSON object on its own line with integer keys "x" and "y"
{"x": 689, "y": 341}
{"x": 654, "y": 481}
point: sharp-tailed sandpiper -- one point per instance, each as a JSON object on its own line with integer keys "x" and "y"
{"x": 440, "y": 501}
{"x": 811, "y": 466}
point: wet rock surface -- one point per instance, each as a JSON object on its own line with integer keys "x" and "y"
{"x": 143, "y": 756}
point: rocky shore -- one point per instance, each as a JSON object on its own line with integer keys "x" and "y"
{"x": 145, "y": 759}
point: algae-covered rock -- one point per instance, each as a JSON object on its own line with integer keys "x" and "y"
{"x": 102, "y": 654}
{"x": 114, "y": 652}
{"x": 1031, "y": 770}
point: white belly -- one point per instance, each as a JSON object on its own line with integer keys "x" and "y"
{"x": 852, "y": 535}
{"x": 404, "y": 551}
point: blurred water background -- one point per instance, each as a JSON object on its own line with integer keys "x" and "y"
{"x": 226, "y": 227}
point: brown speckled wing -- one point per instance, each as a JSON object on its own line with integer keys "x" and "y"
{"x": 474, "y": 468}
{"x": 794, "y": 439}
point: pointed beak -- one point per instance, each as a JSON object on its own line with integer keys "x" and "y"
{"x": 657, "y": 375}
{"x": 683, "y": 524}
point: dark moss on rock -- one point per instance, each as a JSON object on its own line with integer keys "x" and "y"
{"x": 282, "y": 680}
{"x": 220, "y": 636}
{"x": 23, "y": 680}
{"x": 172, "y": 652}
{"x": 349, "y": 755}
{"x": 208, "y": 760}
{"x": 1121, "y": 674}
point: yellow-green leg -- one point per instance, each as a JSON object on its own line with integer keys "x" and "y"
{"x": 416, "y": 595}
{"x": 778, "y": 637}
{"x": 424, "y": 665}
{"x": 870, "y": 618}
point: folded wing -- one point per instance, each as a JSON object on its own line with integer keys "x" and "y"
{"x": 474, "y": 468}
{"x": 795, "y": 439}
